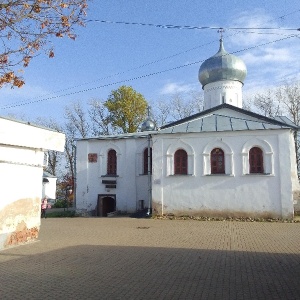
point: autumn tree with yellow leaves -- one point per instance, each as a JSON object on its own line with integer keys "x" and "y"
{"x": 26, "y": 28}
{"x": 127, "y": 109}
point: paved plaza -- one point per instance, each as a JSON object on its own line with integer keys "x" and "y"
{"x": 126, "y": 258}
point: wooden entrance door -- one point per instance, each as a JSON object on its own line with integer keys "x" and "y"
{"x": 106, "y": 204}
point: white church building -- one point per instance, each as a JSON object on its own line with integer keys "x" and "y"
{"x": 222, "y": 162}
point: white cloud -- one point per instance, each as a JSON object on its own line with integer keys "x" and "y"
{"x": 271, "y": 58}
{"x": 251, "y": 21}
{"x": 267, "y": 55}
{"x": 176, "y": 87}
{"x": 26, "y": 93}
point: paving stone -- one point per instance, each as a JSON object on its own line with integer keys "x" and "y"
{"x": 127, "y": 258}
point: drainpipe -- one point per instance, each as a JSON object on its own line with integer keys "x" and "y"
{"x": 149, "y": 177}
{"x": 74, "y": 179}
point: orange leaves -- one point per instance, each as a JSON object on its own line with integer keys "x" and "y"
{"x": 26, "y": 5}
{"x": 3, "y": 59}
{"x": 28, "y": 26}
{"x": 18, "y": 82}
{"x": 65, "y": 21}
{"x": 36, "y": 8}
{"x": 26, "y": 61}
{"x": 44, "y": 24}
{"x": 72, "y": 36}
{"x": 35, "y": 45}
{"x": 11, "y": 78}
{"x": 59, "y": 34}
{"x": 64, "y": 5}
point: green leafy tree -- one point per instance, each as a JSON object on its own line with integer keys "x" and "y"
{"x": 127, "y": 109}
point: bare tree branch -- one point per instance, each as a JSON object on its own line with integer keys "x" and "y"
{"x": 268, "y": 104}
{"x": 101, "y": 123}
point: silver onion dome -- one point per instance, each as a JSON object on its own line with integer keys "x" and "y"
{"x": 222, "y": 66}
{"x": 148, "y": 125}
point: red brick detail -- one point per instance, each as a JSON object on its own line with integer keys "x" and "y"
{"x": 23, "y": 236}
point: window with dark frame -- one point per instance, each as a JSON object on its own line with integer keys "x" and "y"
{"x": 146, "y": 161}
{"x": 256, "y": 161}
{"x": 112, "y": 162}
{"x": 180, "y": 162}
{"x": 217, "y": 161}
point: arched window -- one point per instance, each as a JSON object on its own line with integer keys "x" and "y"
{"x": 180, "y": 162}
{"x": 217, "y": 161}
{"x": 112, "y": 162}
{"x": 146, "y": 161}
{"x": 256, "y": 161}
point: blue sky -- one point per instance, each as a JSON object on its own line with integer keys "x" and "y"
{"x": 107, "y": 55}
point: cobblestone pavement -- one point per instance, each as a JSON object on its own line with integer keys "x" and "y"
{"x": 125, "y": 258}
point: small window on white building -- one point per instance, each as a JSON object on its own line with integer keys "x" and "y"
{"x": 180, "y": 159}
{"x": 217, "y": 158}
{"x": 180, "y": 162}
{"x": 257, "y": 156}
{"x": 256, "y": 160}
{"x": 112, "y": 162}
{"x": 217, "y": 161}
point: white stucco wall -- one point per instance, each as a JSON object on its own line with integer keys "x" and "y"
{"x": 49, "y": 188}
{"x": 31, "y": 136}
{"x": 237, "y": 193}
{"x": 131, "y": 184}
{"x": 234, "y": 194}
{"x": 22, "y": 149}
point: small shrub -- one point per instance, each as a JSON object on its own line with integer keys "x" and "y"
{"x": 62, "y": 214}
{"x": 60, "y": 203}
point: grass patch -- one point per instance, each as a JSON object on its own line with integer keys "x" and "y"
{"x": 62, "y": 214}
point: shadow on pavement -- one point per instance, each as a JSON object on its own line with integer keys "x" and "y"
{"x": 119, "y": 272}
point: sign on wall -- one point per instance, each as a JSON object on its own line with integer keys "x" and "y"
{"x": 92, "y": 157}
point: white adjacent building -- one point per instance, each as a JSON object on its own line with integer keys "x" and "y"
{"x": 222, "y": 162}
{"x": 22, "y": 159}
{"x": 49, "y": 185}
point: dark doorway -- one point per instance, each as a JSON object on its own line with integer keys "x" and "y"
{"x": 106, "y": 204}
